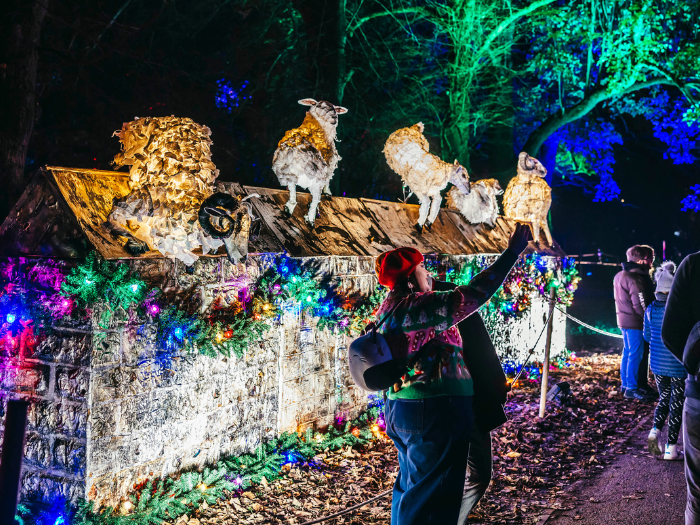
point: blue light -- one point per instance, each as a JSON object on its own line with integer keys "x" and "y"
{"x": 11, "y": 318}
{"x": 227, "y": 97}
{"x": 134, "y": 288}
{"x": 589, "y": 273}
{"x": 178, "y": 333}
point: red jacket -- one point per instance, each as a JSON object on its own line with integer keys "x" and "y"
{"x": 634, "y": 291}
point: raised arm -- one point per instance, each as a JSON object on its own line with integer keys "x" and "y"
{"x": 453, "y": 306}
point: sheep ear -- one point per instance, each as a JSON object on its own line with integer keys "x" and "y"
{"x": 456, "y": 162}
{"x": 307, "y": 102}
{"x": 340, "y": 110}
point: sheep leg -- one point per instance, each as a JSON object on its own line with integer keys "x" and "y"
{"x": 315, "y": 200}
{"x": 327, "y": 188}
{"x": 547, "y": 233}
{"x": 423, "y": 211}
{"x": 536, "y": 230}
{"x": 434, "y": 208}
{"x": 292, "y": 202}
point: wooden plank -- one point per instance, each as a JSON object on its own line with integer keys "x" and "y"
{"x": 399, "y": 220}
{"x": 343, "y": 226}
{"x": 89, "y": 194}
{"x": 481, "y": 238}
{"x": 266, "y": 241}
{"x": 41, "y": 223}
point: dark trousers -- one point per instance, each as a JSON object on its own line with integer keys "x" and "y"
{"x": 432, "y": 438}
{"x": 479, "y": 471}
{"x": 670, "y": 405}
{"x": 643, "y": 372}
{"x": 691, "y": 448}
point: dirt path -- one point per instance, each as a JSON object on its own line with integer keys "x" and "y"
{"x": 636, "y": 489}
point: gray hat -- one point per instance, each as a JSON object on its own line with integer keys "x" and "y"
{"x": 664, "y": 276}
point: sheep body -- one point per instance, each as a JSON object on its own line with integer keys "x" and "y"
{"x": 480, "y": 206}
{"x": 306, "y": 156}
{"x": 407, "y": 153}
{"x": 528, "y": 197}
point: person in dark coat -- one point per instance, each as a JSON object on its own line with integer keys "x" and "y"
{"x": 634, "y": 291}
{"x": 680, "y": 333}
{"x": 490, "y": 394}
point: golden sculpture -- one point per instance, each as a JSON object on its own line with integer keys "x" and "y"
{"x": 528, "y": 197}
{"x": 306, "y": 156}
{"x": 170, "y": 175}
{"x": 406, "y": 152}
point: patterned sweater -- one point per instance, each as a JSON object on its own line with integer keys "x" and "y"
{"x": 430, "y": 318}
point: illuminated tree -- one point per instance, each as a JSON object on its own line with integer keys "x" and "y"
{"x": 595, "y": 60}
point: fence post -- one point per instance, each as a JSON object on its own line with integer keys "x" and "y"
{"x": 11, "y": 461}
{"x": 545, "y": 363}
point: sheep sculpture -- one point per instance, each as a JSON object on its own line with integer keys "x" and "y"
{"x": 480, "y": 206}
{"x": 528, "y": 197}
{"x": 170, "y": 176}
{"x": 406, "y": 152}
{"x": 306, "y": 156}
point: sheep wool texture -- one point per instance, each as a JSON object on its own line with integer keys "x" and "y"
{"x": 406, "y": 152}
{"x": 480, "y": 206}
{"x": 528, "y": 197}
{"x": 170, "y": 175}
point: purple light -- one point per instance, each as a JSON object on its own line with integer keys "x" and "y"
{"x": 238, "y": 480}
{"x": 154, "y": 309}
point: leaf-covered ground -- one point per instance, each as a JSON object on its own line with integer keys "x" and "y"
{"x": 535, "y": 460}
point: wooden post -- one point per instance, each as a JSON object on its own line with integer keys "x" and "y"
{"x": 545, "y": 363}
{"x": 12, "y": 454}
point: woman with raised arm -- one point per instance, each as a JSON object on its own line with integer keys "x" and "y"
{"x": 429, "y": 412}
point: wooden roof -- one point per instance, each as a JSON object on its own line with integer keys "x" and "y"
{"x": 78, "y": 201}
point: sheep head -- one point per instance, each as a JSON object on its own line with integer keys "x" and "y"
{"x": 530, "y": 166}
{"x": 325, "y": 112}
{"x": 460, "y": 178}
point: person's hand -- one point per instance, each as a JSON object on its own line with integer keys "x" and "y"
{"x": 519, "y": 238}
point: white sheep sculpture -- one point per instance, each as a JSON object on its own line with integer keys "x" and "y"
{"x": 406, "y": 152}
{"x": 306, "y": 156}
{"x": 528, "y": 197}
{"x": 480, "y": 206}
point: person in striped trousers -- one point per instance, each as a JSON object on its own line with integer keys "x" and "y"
{"x": 669, "y": 372}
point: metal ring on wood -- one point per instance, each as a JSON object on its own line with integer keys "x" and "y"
{"x": 217, "y": 206}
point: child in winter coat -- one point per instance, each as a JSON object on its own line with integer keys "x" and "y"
{"x": 669, "y": 372}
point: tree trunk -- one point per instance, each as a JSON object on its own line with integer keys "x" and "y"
{"x": 20, "y": 32}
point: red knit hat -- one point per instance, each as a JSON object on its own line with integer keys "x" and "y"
{"x": 397, "y": 264}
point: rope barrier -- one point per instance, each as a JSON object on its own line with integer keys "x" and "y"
{"x": 349, "y": 509}
{"x": 593, "y": 328}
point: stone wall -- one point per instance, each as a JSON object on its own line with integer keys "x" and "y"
{"x": 54, "y": 376}
{"x": 107, "y": 414}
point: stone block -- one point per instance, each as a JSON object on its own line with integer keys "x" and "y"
{"x": 309, "y": 363}
{"x": 71, "y": 382}
{"x": 290, "y": 367}
{"x": 365, "y": 265}
{"x": 20, "y": 376}
{"x": 106, "y": 348}
{"x": 103, "y": 419}
{"x": 62, "y": 347}
{"x": 37, "y": 450}
{"x": 69, "y": 456}
{"x": 206, "y": 270}
{"x": 42, "y": 487}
